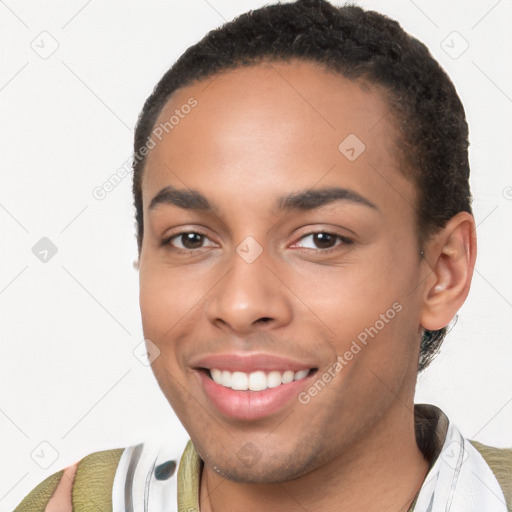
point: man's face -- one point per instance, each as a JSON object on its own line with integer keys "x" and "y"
{"x": 326, "y": 291}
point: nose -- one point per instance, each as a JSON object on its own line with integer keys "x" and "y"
{"x": 249, "y": 297}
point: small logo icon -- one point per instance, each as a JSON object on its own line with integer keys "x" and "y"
{"x": 249, "y": 454}
{"x": 454, "y": 45}
{"x": 45, "y": 45}
{"x": 454, "y": 454}
{"x": 249, "y": 249}
{"x": 146, "y": 352}
{"x": 44, "y": 455}
{"x": 351, "y": 147}
{"x": 44, "y": 250}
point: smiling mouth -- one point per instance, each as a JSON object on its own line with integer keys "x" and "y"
{"x": 256, "y": 381}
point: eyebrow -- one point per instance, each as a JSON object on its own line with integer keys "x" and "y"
{"x": 315, "y": 198}
{"x": 187, "y": 199}
{"x": 304, "y": 200}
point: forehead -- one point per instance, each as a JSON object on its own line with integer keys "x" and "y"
{"x": 275, "y": 126}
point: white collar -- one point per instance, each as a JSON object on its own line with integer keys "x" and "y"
{"x": 460, "y": 480}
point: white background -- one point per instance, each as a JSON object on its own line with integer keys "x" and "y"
{"x": 69, "y": 326}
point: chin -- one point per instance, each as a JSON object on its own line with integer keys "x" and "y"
{"x": 271, "y": 469}
{"x": 244, "y": 475}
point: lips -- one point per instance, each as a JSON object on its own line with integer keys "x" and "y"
{"x": 251, "y": 386}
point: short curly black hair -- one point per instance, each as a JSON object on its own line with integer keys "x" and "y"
{"x": 360, "y": 45}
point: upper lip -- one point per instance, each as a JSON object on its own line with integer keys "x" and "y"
{"x": 248, "y": 363}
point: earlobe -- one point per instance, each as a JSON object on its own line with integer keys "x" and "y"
{"x": 451, "y": 255}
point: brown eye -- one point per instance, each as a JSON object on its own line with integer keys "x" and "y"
{"x": 188, "y": 240}
{"x": 323, "y": 240}
{"x": 191, "y": 240}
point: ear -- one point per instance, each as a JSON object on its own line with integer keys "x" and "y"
{"x": 451, "y": 256}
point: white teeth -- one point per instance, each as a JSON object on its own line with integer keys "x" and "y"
{"x": 226, "y": 379}
{"x": 239, "y": 381}
{"x": 287, "y": 377}
{"x": 301, "y": 374}
{"x": 255, "y": 381}
{"x": 273, "y": 379}
{"x": 216, "y": 375}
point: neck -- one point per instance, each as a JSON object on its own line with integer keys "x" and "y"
{"x": 382, "y": 472}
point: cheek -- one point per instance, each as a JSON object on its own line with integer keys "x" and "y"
{"x": 166, "y": 297}
{"x": 166, "y": 310}
{"x": 365, "y": 300}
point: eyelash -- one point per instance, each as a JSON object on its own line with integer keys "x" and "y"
{"x": 344, "y": 241}
{"x": 167, "y": 241}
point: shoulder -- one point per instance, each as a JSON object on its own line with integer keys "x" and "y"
{"x": 500, "y": 462}
{"x": 72, "y": 488}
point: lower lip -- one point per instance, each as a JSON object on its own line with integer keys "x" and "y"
{"x": 250, "y": 405}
